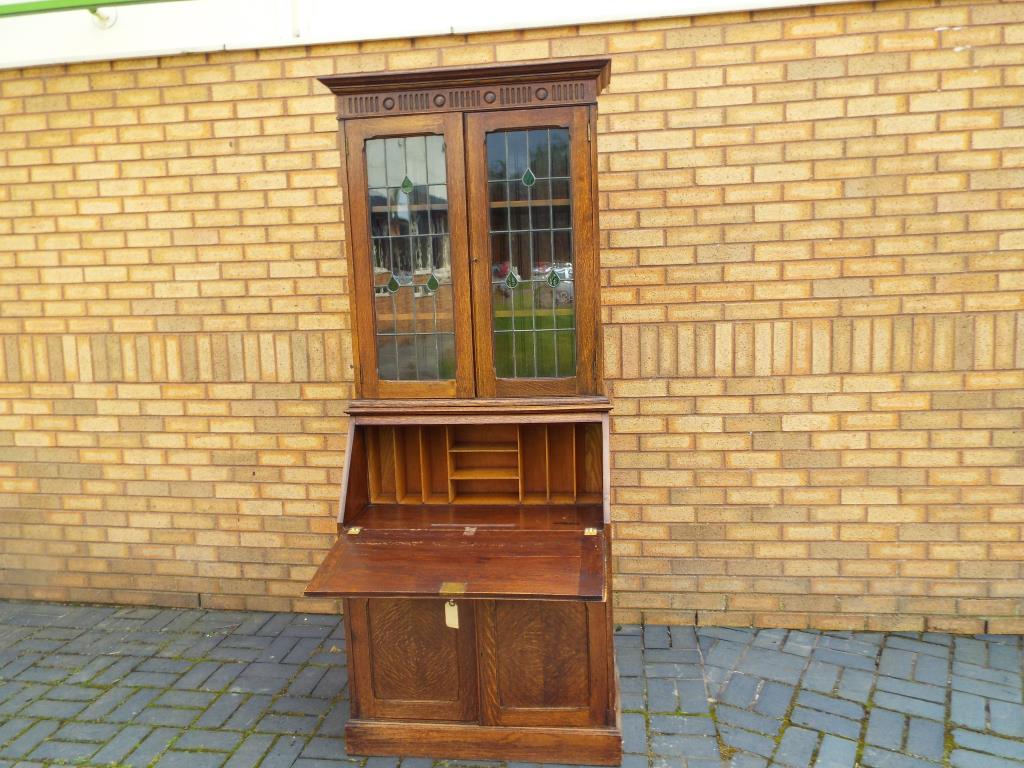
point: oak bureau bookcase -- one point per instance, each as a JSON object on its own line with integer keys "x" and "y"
{"x": 473, "y": 538}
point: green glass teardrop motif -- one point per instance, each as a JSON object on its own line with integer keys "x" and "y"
{"x": 407, "y": 185}
{"x": 393, "y": 285}
{"x": 432, "y": 284}
{"x": 553, "y": 279}
{"x": 511, "y": 280}
{"x": 528, "y": 178}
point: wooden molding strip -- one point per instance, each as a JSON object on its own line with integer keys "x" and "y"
{"x": 558, "y": 82}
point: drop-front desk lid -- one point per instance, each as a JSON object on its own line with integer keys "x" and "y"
{"x": 464, "y": 562}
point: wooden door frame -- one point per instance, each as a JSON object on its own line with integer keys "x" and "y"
{"x": 365, "y": 702}
{"x": 586, "y": 269}
{"x": 356, "y": 133}
{"x": 594, "y": 713}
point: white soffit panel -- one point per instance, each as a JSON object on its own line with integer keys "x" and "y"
{"x": 188, "y": 26}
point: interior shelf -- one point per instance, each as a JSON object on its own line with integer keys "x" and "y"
{"x": 484, "y": 448}
{"x": 485, "y": 473}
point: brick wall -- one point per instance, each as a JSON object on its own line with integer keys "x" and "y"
{"x": 813, "y": 290}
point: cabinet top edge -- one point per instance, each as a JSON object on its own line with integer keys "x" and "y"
{"x": 504, "y": 405}
{"x": 596, "y": 69}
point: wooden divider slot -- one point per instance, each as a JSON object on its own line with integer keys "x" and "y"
{"x": 527, "y": 463}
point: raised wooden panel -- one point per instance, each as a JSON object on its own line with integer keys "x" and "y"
{"x": 416, "y": 655}
{"x": 409, "y": 663}
{"x": 542, "y": 658}
{"x": 542, "y": 663}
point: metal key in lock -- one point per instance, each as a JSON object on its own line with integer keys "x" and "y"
{"x": 451, "y": 614}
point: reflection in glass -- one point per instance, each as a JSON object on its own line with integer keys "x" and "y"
{"x": 532, "y": 288}
{"x": 411, "y": 253}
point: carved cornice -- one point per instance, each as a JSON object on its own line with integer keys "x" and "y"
{"x": 557, "y": 82}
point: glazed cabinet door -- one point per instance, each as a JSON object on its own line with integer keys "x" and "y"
{"x": 408, "y": 663}
{"x": 543, "y": 662}
{"x": 533, "y": 251}
{"x": 406, "y": 202}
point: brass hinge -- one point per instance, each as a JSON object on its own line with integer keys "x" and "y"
{"x": 588, "y": 129}
{"x": 590, "y": 531}
{"x": 354, "y": 530}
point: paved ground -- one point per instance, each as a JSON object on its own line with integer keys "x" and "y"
{"x": 214, "y": 689}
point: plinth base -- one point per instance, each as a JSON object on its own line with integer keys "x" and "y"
{"x": 578, "y": 746}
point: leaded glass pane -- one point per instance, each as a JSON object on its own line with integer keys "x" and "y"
{"x": 532, "y": 287}
{"x": 411, "y": 253}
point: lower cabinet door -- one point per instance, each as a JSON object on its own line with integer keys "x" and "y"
{"x": 407, "y": 663}
{"x": 543, "y": 662}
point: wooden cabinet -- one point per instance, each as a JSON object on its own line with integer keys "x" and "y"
{"x": 473, "y": 552}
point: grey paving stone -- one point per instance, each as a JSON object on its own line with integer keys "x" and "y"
{"x": 796, "y": 747}
{"x": 304, "y": 762}
{"x": 964, "y": 758}
{"x": 885, "y": 728}
{"x": 993, "y": 745}
{"x": 223, "y": 708}
{"x": 820, "y": 676}
{"x": 932, "y": 670}
{"x": 174, "y": 759}
{"x": 115, "y": 750}
{"x": 910, "y": 706}
{"x": 68, "y": 692}
{"x": 168, "y": 716}
{"x": 217, "y": 741}
{"x": 844, "y": 659}
{"x": 657, "y": 636}
{"x": 926, "y": 738}
{"x": 826, "y": 723}
{"x": 28, "y": 739}
{"x": 293, "y": 724}
{"x": 834, "y": 706}
{"x": 835, "y": 752}
{"x": 251, "y": 751}
{"x": 747, "y": 741}
{"x": 61, "y": 710}
{"x": 967, "y": 709}
{"x": 662, "y": 696}
{"x": 772, "y": 665}
{"x": 1006, "y": 718}
{"x": 634, "y": 734}
{"x": 152, "y": 745}
{"x": 684, "y": 746}
{"x": 873, "y": 757}
{"x": 774, "y": 699}
{"x": 284, "y": 752}
{"x": 680, "y": 724}
{"x": 987, "y": 689}
{"x": 11, "y": 728}
{"x": 918, "y": 646}
{"x": 751, "y": 721}
{"x": 136, "y": 701}
{"x": 248, "y": 713}
{"x": 913, "y": 690}
{"x": 96, "y": 732}
{"x": 187, "y": 699}
{"x": 64, "y": 751}
{"x": 744, "y": 760}
{"x": 740, "y": 691}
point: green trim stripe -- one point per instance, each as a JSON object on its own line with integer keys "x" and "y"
{"x": 46, "y": 6}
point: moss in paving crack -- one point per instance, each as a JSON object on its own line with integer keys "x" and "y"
{"x": 862, "y": 737}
